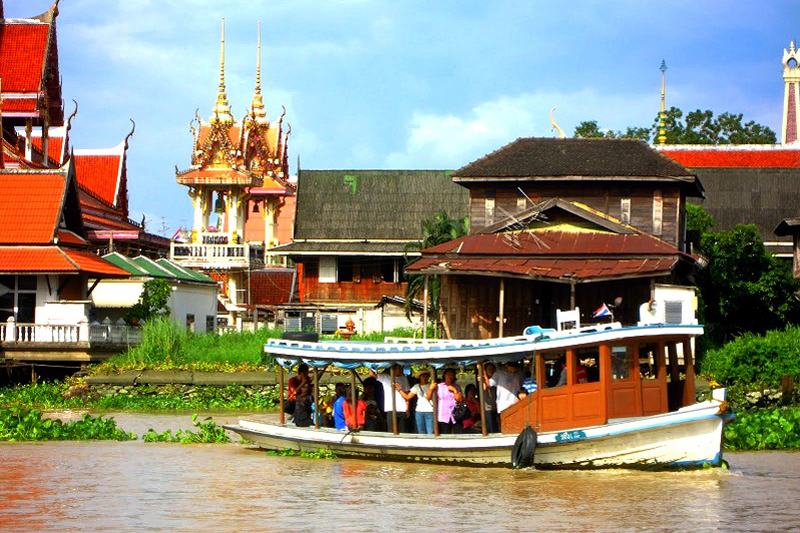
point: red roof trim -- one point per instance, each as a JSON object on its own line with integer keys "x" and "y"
{"x": 735, "y": 158}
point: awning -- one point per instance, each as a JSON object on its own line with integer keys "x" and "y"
{"x": 548, "y": 269}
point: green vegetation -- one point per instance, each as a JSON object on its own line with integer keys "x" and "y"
{"x": 698, "y": 127}
{"x": 167, "y": 346}
{"x": 28, "y": 425}
{"x": 773, "y": 429}
{"x": 153, "y": 302}
{"x": 209, "y": 432}
{"x": 140, "y": 398}
{"x": 323, "y": 453}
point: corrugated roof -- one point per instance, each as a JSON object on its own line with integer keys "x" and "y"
{"x": 186, "y": 274}
{"x": 550, "y": 269}
{"x": 373, "y": 204}
{"x": 30, "y": 206}
{"x": 162, "y": 268}
{"x": 150, "y": 266}
{"x": 125, "y": 263}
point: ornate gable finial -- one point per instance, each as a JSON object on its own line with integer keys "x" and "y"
{"x": 222, "y": 110}
{"x": 662, "y": 117}
{"x": 257, "y": 109}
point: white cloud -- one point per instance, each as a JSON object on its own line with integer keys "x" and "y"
{"x": 450, "y": 141}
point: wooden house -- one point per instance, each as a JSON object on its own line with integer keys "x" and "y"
{"x": 353, "y": 231}
{"x": 564, "y": 223}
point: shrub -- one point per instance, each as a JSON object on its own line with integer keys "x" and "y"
{"x": 776, "y": 429}
{"x": 756, "y": 359}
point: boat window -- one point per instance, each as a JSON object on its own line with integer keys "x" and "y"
{"x": 587, "y": 369}
{"x": 621, "y": 362}
{"x": 554, "y": 363}
{"x": 648, "y": 361}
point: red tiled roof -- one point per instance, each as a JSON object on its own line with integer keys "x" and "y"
{"x": 19, "y": 105}
{"x": 96, "y": 222}
{"x": 23, "y": 48}
{"x": 69, "y": 238}
{"x": 46, "y": 259}
{"x": 30, "y": 207}
{"x": 555, "y": 243}
{"x": 99, "y": 174}
{"x": 735, "y": 158}
{"x": 551, "y": 268}
{"x": 54, "y": 147}
{"x": 271, "y": 287}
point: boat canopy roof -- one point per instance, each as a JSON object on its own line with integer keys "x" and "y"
{"x": 440, "y": 353}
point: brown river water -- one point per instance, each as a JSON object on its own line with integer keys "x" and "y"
{"x": 133, "y": 486}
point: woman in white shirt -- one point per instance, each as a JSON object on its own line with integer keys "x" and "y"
{"x": 424, "y": 414}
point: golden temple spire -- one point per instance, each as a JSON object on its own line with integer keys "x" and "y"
{"x": 662, "y": 127}
{"x": 258, "y": 113}
{"x": 222, "y": 110}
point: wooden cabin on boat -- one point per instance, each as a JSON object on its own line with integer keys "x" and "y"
{"x": 605, "y": 380}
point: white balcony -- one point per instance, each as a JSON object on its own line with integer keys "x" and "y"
{"x": 223, "y": 256}
{"x": 83, "y": 334}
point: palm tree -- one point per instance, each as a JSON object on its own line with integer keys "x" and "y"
{"x": 436, "y": 230}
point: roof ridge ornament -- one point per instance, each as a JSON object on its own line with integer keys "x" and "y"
{"x": 662, "y": 116}
{"x": 222, "y": 109}
{"x": 555, "y": 126}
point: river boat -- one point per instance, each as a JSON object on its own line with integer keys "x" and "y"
{"x": 628, "y": 400}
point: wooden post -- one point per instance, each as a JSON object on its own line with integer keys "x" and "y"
{"x": 481, "y": 399}
{"x": 605, "y": 381}
{"x": 354, "y": 398}
{"x": 502, "y": 305}
{"x": 280, "y": 394}
{"x": 688, "y": 387}
{"x": 572, "y": 295}
{"x": 316, "y": 398}
{"x": 424, "y": 311}
{"x": 435, "y": 401}
{"x": 394, "y": 403}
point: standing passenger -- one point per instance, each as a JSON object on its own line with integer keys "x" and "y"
{"x": 424, "y": 414}
{"x": 401, "y": 406}
{"x": 490, "y": 398}
{"x": 509, "y": 384}
{"x": 338, "y": 409}
{"x": 448, "y": 394}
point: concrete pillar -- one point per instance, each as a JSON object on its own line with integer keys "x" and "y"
{"x": 197, "y": 226}
{"x": 11, "y": 329}
{"x": 83, "y": 330}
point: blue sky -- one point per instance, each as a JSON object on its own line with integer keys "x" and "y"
{"x": 410, "y": 84}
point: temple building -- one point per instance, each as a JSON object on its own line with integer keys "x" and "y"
{"x": 239, "y": 186}
{"x": 753, "y": 183}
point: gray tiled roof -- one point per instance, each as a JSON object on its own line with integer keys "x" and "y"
{"x": 544, "y": 157}
{"x": 340, "y": 247}
{"x": 373, "y": 204}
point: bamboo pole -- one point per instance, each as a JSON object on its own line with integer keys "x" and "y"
{"x": 394, "y": 403}
{"x": 316, "y": 398}
{"x": 280, "y": 395}
{"x": 481, "y": 399}
{"x": 435, "y": 400}
{"x": 354, "y": 397}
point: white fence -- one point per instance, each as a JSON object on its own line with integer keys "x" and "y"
{"x": 96, "y": 333}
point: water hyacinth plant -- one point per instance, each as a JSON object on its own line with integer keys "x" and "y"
{"x": 29, "y": 425}
{"x": 208, "y": 432}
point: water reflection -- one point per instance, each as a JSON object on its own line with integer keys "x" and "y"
{"x": 134, "y": 486}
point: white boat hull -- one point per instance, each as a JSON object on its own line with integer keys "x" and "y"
{"x": 689, "y": 437}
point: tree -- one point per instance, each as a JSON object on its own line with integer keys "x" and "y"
{"x": 698, "y": 127}
{"x": 153, "y": 302}
{"x": 436, "y": 230}
{"x": 743, "y": 287}
{"x": 697, "y": 219}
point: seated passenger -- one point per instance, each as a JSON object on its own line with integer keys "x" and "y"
{"x": 373, "y": 419}
{"x": 471, "y": 399}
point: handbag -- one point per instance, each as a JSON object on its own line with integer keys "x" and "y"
{"x": 461, "y": 412}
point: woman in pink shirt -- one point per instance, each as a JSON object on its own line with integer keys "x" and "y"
{"x": 448, "y": 393}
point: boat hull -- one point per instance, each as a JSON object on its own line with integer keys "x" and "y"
{"x": 690, "y": 437}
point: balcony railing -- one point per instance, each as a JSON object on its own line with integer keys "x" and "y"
{"x": 96, "y": 334}
{"x": 217, "y": 255}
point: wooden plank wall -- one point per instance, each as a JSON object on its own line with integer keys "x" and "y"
{"x": 606, "y": 198}
{"x": 368, "y": 289}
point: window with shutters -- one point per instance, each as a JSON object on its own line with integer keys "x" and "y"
{"x": 327, "y": 270}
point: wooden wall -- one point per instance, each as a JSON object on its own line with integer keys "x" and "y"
{"x": 366, "y": 288}
{"x": 602, "y": 197}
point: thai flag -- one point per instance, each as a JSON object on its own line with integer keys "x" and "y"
{"x": 603, "y": 310}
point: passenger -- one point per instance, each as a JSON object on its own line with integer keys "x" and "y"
{"x": 401, "y": 405}
{"x": 373, "y": 419}
{"x": 448, "y": 394}
{"x": 377, "y": 388}
{"x": 369, "y": 393}
{"x": 354, "y": 423}
{"x": 338, "y": 411}
{"x": 424, "y": 413}
{"x": 509, "y": 384}
{"x": 490, "y": 399}
{"x": 471, "y": 399}
{"x": 304, "y": 407}
{"x": 562, "y": 365}
{"x": 295, "y": 382}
